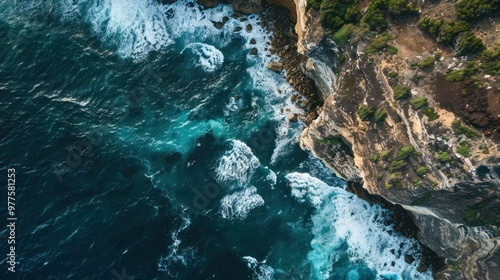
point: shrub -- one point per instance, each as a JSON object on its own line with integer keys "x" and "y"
{"x": 443, "y": 157}
{"x": 459, "y": 129}
{"x": 490, "y": 61}
{"x": 379, "y": 44}
{"x": 401, "y": 92}
{"x": 456, "y": 76}
{"x": 385, "y": 154}
{"x": 421, "y": 170}
{"x": 396, "y": 165}
{"x": 418, "y": 103}
{"x": 380, "y": 176}
{"x": 464, "y": 149}
{"x": 426, "y": 62}
{"x": 430, "y": 113}
{"x": 374, "y": 158}
{"x": 316, "y": 4}
{"x": 343, "y": 35}
{"x": 468, "y": 43}
{"x": 375, "y": 19}
{"x": 473, "y": 9}
{"x": 365, "y": 112}
{"x": 379, "y": 115}
{"x": 334, "y": 13}
{"x": 417, "y": 182}
{"x": 405, "y": 153}
{"x": 393, "y": 74}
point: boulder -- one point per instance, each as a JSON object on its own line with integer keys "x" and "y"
{"x": 293, "y": 117}
{"x": 253, "y": 51}
{"x": 208, "y": 3}
{"x": 247, "y": 6}
{"x": 218, "y": 25}
{"x": 252, "y": 41}
{"x": 275, "y": 66}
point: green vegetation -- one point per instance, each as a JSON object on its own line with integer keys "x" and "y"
{"x": 459, "y": 129}
{"x": 468, "y": 43}
{"x": 417, "y": 182}
{"x": 455, "y": 265}
{"x": 343, "y": 35}
{"x": 365, "y": 112}
{"x": 380, "y": 44}
{"x": 335, "y": 13}
{"x": 330, "y": 141}
{"x": 464, "y": 149}
{"x": 490, "y": 61}
{"x": 385, "y": 154}
{"x": 423, "y": 199}
{"x": 421, "y": 170}
{"x": 484, "y": 149}
{"x": 456, "y": 76}
{"x": 397, "y": 165}
{"x": 380, "y": 115}
{"x": 401, "y": 92}
{"x": 374, "y": 158}
{"x": 418, "y": 103}
{"x": 470, "y": 10}
{"x": 393, "y": 74}
{"x": 426, "y": 62}
{"x": 405, "y": 153}
{"x": 456, "y": 34}
{"x": 443, "y": 157}
{"x": 430, "y": 113}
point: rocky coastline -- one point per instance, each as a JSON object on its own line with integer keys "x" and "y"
{"x": 442, "y": 207}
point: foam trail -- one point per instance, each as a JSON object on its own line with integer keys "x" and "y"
{"x": 342, "y": 219}
{"x": 209, "y": 57}
{"x": 176, "y": 256}
{"x": 239, "y": 204}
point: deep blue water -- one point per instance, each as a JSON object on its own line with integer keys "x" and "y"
{"x": 148, "y": 143}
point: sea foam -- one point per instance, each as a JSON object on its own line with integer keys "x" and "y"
{"x": 239, "y": 204}
{"x": 341, "y": 219}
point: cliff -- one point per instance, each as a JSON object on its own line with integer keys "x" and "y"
{"x": 397, "y": 152}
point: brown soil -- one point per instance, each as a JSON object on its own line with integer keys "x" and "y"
{"x": 408, "y": 35}
{"x": 475, "y": 106}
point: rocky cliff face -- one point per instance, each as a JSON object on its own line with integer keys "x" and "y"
{"x": 456, "y": 210}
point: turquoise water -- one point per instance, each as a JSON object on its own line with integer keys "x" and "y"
{"x": 148, "y": 143}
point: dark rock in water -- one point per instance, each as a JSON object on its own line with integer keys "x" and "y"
{"x": 225, "y": 19}
{"x": 253, "y": 51}
{"x": 218, "y": 25}
{"x": 208, "y": 3}
{"x": 247, "y": 6}
{"x": 252, "y": 41}
{"x": 422, "y": 267}
{"x": 238, "y": 29}
{"x": 243, "y": 19}
{"x": 275, "y": 66}
{"x": 393, "y": 263}
{"x": 409, "y": 259}
{"x": 168, "y": 1}
{"x": 293, "y": 117}
{"x": 249, "y": 27}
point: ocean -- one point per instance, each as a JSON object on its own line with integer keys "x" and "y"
{"x": 149, "y": 144}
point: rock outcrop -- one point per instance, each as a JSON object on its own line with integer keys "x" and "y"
{"x": 445, "y": 203}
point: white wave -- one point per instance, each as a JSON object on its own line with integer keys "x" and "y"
{"x": 237, "y": 166}
{"x": 239, "y": 204}
{"x": 342, "y": 219}
{"x": 261, "y": 271}
{"x": 209, "y": 57}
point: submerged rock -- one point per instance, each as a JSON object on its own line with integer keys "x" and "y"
{"x": 247, "y": 6}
